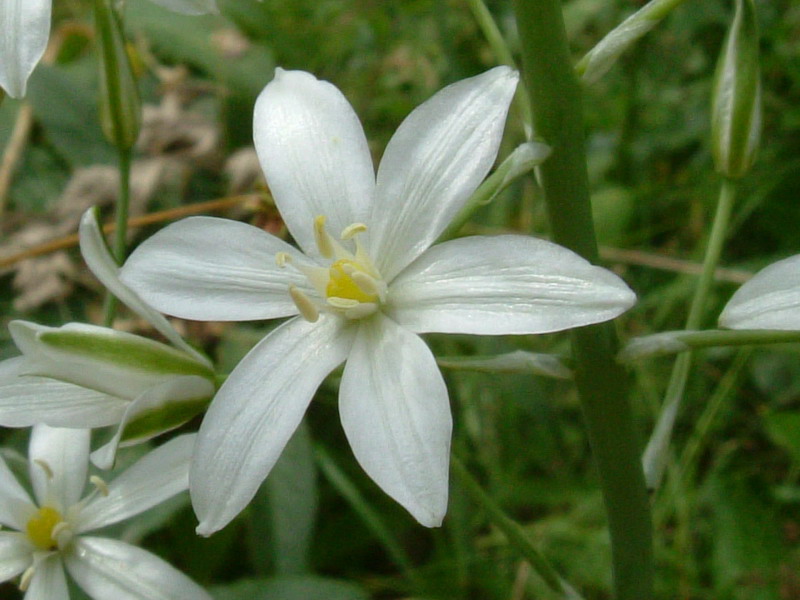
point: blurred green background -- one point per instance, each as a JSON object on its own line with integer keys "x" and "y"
{"x": 727, "y": 518}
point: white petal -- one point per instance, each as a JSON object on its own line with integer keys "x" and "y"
{"x": 314, "y": 154}
{"x": 24, "y": 30}
{"x": 16, "y": 507}
{"x": 15, "y": 555}
{"x": 99, "y": 358}
{"x": 107, "y": 568}
{"x": 159, "y": 409}
{"x": 770, "y": 300}
{"x": 189, "y": 7}
{"x": 434, "y": 162}
{"x": 256, "y": 411}
{"x": 25, "y": 401}
{"x": 157, "y": 476}
{"x": 48, "y": 582}
{"x": 66, "y": 454}
{"x": 212, "y": 269}
{"x": 504, "y": 285}
{"x": 395, "y": 412}
{"x": 98, "y": 257}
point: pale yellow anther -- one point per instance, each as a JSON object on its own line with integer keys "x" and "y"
{"x": 342, "y": 303}
{"x": 364, "y": 309}
{"x": 349, "y": 232}
{"x": 45, "y": 467}
{"x": 282, "y": 259}
{"x": 305, "y": 306}
{"x": 25, "y": 580}
{"x": 58, "y": 530}
{"x": 101, "y": 485}
{"x": 365, "y": 283}
{"x": 322, "y": 237}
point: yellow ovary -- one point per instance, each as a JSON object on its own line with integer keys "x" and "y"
{"x": 40, "y": 528}
{"x": 341, "y": 284}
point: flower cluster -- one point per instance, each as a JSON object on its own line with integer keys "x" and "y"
{"x": 365, "y": 280}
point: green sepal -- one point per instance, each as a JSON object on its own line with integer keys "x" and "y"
{"x": 126, "y": 351}
{"x": 155, "y": 422}
{"x": 736, "y": 96}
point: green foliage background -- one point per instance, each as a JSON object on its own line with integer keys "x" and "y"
{"x": 727, "y": 518}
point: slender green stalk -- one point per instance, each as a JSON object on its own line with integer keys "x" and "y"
{"x": 370, "y": 516}
{"x": 674, "y": 342}
{"x": 123, "y": 205}
{"x": 121, "y": 229}
{"x": 517, "y": 362}
{"x": 601, "y": 383}
{"x": 514, "y": 533}
{"x": 654, "y": 459}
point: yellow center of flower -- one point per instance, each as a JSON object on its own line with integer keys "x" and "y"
{"x": 40, "y": 528}
{"x": 350, "y": 286}
{"x": 342, "y": 285}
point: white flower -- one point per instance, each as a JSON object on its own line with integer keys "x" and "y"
{"x": 364, "y": 298}
{"x": 25, "y": 29}
{"x": 770, "y": 300}
{"x": 82, "y": 375}
{"x": 50, "y": 533}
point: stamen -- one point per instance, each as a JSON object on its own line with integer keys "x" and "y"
{"x": 305, "y": 306}
{"x": 351, "y": 231}
{"x": 99, "y": 484}
{"x": 323, "y": 239}
{"x": 282, "y": 259}
{"x": 25, "y": 580}
{"x": 45, "y": 467}
{"x": 343, "y": 303}
{"x": 365, "y": 283}
{"x": 363, "y": 309}
{"x": 62, "y": 534}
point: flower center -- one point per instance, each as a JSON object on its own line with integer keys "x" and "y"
{"x": 350, "y": 286}
{"x": 342, "y": 285}
{"x": 41, "y": 526}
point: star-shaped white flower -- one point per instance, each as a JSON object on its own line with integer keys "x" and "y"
{"x": 25, "y": 29}
{"x": 49, "y": 533}
{"x": 364, "y": 297}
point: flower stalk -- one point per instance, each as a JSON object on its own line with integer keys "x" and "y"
{"x": 557, "y": 109}
{"x": 120, "y": 117}
{"x": 674, "y": 342}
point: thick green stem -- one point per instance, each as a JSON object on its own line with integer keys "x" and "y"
{"x": 557, "y": 113}
{"x": 655, "y": 455}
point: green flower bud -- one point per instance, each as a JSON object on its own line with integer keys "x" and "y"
{"x": 120, "y": 107}
{"x": 736, "y": 99}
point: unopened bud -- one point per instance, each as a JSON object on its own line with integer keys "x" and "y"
{"x": 736, "y": 100}
{"x": 120, "y": 107}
